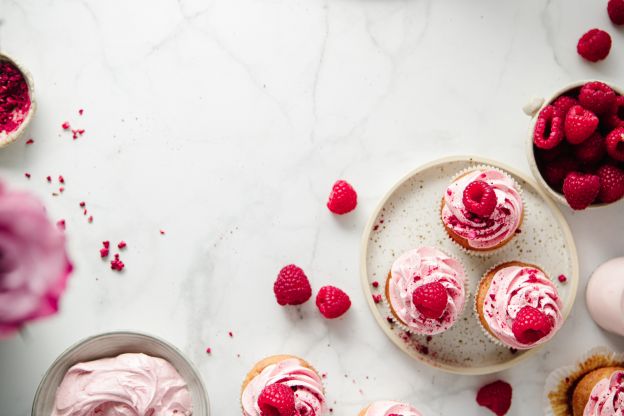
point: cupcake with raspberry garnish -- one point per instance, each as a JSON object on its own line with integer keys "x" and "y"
{"x": 592, "y": 387}
{"x": 426, "y": 291}
{"x": 283, "y": 385}
{"x": 518, "y": 306}
{"x": 482, "y": 209}
{"x": 389, "y": 408}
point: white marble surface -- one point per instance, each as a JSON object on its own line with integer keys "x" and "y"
{"x": 225, "y": 122}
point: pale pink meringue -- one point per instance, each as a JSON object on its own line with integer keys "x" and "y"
{"x": 126, "y": 385}
{"x": 307, "y": 385}
{"x": 484, "y": 233}
{"x": 34, "y": 266}
{"x": 511, "y": 289}
{"x": 416, "y": 268}
{"x": 607, "y": 397}
{"x": 388, "y": 408}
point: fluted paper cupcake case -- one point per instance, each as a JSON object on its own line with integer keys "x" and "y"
{"x": 559, "y": 383}
{"x": 487, "y": 333}
{"x": 482, "y": 253}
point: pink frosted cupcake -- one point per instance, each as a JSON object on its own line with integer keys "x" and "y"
{"x": 518, "y": 305}
{"x": 426, "y": 290}
{"x": 482, "y": 209}
{"x": 389, "y": 408}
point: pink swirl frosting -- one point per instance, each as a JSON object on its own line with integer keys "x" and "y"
{"x": 607, "y": 397}
{"x": 418, "y": 267}
{"x": 307, "y": 385}
{"x": 484, "y": 233}
{"x": 389, "y": 408}
{"x": 512, "y": 288}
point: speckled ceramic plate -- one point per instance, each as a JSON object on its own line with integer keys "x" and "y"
{"x": 408, "y": 217}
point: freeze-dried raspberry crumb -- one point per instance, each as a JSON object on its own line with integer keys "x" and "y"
{"x": 122, "y": 244}
{"x": 231, "y": 334}
{"x": 61, "y": 179}
{"x": 90, "y": 219}
{"x": 30, "y": 141}
{"x": 62, "y": 189}
{"x": 77, "y": 133}
{"x": 562, "y": 278}
{"x": 65, "y": 125}
{"x": 377, "y": 298}
{"x": 60, "y": 224}
{"x": 208, "y": 350}
{"x": 117, "y": 264}
{"x": 27, "y": 175}
{"x": 106, "y": 244}
{"x": 80, "y": 112}
{"x": 82, "y": 204}
{"x": 104, "y": 252}
{"x": 49, "y": 178}
{"x": 375, "y": 284}
{"x": 162, "y": 232}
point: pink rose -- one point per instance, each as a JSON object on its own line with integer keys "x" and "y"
{"x": 34, "y": 266}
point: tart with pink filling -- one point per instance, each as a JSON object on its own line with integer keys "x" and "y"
{"x": 518, "y": 306}
{"x": 426, "y": 290}
{"x": 389, "y": 408}
{"x": 482, "y": 209}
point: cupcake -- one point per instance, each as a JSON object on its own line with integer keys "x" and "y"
{"x": 482, "y": 209}
{"x": 518, "y": 306}
{"x": 283, "y": 384}
{"x": 389, "y": 408}
{"x": 426, "y": 291}
{"x": 592, "y": 387}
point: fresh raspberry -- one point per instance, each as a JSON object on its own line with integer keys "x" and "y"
{"x": 332, "y": 302}
{"x": 495, "y": 396}
{"x": 555, "y": 172}
{"x": 615, "y": 8}
{"x": 597, "y": 97}
{"x": 531, "y": 325}
{"x": 548, "y": 155}
{"x": 611, "y": 183}
{"x": 580, "y": 190}
{"x": 615, "y": 144}
{"x": 579, "y": 124}
{"x": 565, "y": 103}
{"x": 615, "y": 116}
{"x": 591, "y": 151}
{"x": 548, "y": 131}
{"x": 292, "y": 286}
{"x": 594, "y": 45}
{"x": 342, "y": 198}
{"x": 479, "y": 198}
{"x": 430, "y": 299}
{"x": 277, "y": 399}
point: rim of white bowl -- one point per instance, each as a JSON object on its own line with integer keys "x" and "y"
{"x": 531, "y": 150}
{"x": 17, "y": 133}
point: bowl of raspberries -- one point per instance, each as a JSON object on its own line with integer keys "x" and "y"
{"x": 576, "y": 147}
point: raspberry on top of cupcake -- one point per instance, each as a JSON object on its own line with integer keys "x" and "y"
{"x": 482, "y": 209}
{"x": 389, "y": 408}
{"x": 518, "y": 305}
{"x": 426, "y": 291}
{"x": 283, "y": 385}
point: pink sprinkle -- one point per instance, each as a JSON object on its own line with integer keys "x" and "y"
{"x": 208, "y": 350}
{"x": 122, "y": 244}
{"x": 49, "y": 178}
{"x": 104, "y": 252}
{"x": 90, "y": 219}
{"x": 61, "y": 179}
{"x": 80, "y": 111}
{"x": 82, "y": 204}
{"x": 106, "y": 244}
{"x": 65, "y": 125}
{"x": 377, "y": 298}
{"x": 375, "y": 284}
{"x": 61, "y": 224}
{"x": 30, "y": 141}
{"x": 562, "y": 278}
{"x": 27, "y": 175}
{"x": 231, "y": 334}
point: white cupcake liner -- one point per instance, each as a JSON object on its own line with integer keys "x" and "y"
{"x": 405, "y": 328}
{"x": 475, "y": 311}
{"x": 490, "y": 252}
{"x": 558, "y": 384}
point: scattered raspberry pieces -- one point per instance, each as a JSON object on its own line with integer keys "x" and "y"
{"x": 579, "y": 124}
{"x": 82, "y": 204}
{"x": 430, "y": 299}
{"x": 548, "y": 131}
{"x": 106, "y": 244}
{"x": 61, "y": 224}
{"x": 61, "y": 179}
{"x": 65, "y": 125}
{"x": 90, "y": 219}
{"x": 104, "y": 252}
{"x": 594, "y": 45}
{"x": 479, "y": 198}
{"x": 277, "y": 399}
{"x": 80, "y": 112}
{"x": 377, "y": 298}
{"x": 611, "y": 183}
{"x": 531, "y": 325}
{"x": 342, "y": 198}
{"x": 77, "y": 133}
{"x": 615, "y": 144}
{"x": 231, "y": 334}
{"x": 122, "y": 244}
{"x": 117, "y": 264}
{"x": 62, "y": 189}
{"x": 49, "y": 178}
{"x": 208, "y": 350}
{"x": 562, "y": 278}
{"x": 591, "y": 151}
{"x": 597, "y": 97}
{"x": 332, "y": 302}
{"x": 375, "y": 284}
{"x": 162, "y": 232}
{"x": 30, "y": 141}
{"x": 27, "y": 175}
{"x": 581, "y": 190}
{"x": 292, "y": 286}
{"x": 495, "y": 396}
{"x": 615, "y": 8}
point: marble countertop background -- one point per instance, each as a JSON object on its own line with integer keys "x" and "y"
{"x": 225, "y": 123}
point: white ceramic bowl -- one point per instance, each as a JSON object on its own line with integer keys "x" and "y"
{"x": 17, "y": 133}
{"x": 112, "y": 344}
{"x": 533, "y": 110}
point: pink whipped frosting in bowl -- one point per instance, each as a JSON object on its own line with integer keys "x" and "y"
{"x": 389, "y": 408}
{"x": 307, "y": 385}
{"x": 511, "y": 289}
{"x": 607, "y": 397}
{"x": 419, "y": 267}
{"x": 484, "y": 233}
{"x": 121, "y": 374}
